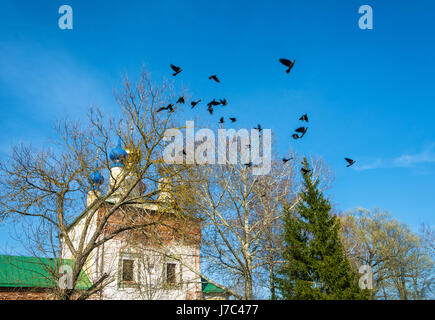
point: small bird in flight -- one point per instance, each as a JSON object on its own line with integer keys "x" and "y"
{"x": 213, "y": 103}
{"x": 214, "y": 77}
{"x": 194, "y": 103}
{"x": 288, "y": 63}
{"x": 249, "y": 164}
{"x": 304, "y": 118}
{"x": 180, "y": 100}
{"x": 169, "y": 107}
{"x": 259, "y": 128}
{"x": 233, "y": 119}
{"x": 302, "y": 130}
{"x": 349, "y": 161}
{"x": 221, "y": 120}
{"x": 176, "y": 69}
{"x": 295, "y": 136}
{"x": 223, "y": 101}
{"x": 210, "y": 109}
{"x": 285, "y": 160}
{"x": 305, "y": 171}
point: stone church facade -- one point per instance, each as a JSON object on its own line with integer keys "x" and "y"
{"x": 165, "y": 266}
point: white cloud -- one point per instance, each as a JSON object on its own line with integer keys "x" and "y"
{"x": 402, "y": 161}
{"x": 408, "y": 160}
{"x": 374, "y": 165}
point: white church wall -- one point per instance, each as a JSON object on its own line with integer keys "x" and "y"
{"x": 149, "y": 272}
{"x": 151, "y": 268}
{"x": 75, "y": 234}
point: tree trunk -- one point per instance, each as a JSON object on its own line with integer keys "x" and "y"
{"x": 272, "y": 283}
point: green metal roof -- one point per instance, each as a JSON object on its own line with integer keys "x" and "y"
{"x": 207, "y": 287}
{"x": 34, "y": 272}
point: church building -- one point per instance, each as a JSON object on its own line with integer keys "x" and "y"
{"x": 163, "y": 266}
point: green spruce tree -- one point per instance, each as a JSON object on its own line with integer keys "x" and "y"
{"x": 315, "y": 263}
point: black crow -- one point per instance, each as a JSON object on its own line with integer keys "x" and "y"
{"x": 249, "y": 164}
{"x": 301, "y": 130}
{"x": 194, "y": 103}
{"x": 349, "y": 161}
{"x": 169, "y": 107}
{"x": 233, "y": 119}
{"x": 176, "y": 69}
{"x": 304, "y": 171}
{"x": 288, "y": 64}
{"x": 213, "y": 103}
{"x": 304, "y": 118}
{"x": 214, "y": 77}
{"x": 180, "y": 100}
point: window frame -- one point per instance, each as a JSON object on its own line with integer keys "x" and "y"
{"x": 178, "y": 275}
{"x": 135, "y": 257}
{"x": 130, "y": 273}
{"x": 173, "y": 276}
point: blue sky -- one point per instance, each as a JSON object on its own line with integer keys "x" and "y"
{"x": 369, "y": 94}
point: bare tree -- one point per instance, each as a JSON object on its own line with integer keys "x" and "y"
{"x": 50, "y": 187}
{"x": 240, "y": 215}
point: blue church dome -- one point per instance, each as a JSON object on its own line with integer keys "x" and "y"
{"x": 96, "y": 179}
{"x": 117, "y": 155}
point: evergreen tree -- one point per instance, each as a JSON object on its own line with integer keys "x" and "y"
{"x": 315, "y": 263}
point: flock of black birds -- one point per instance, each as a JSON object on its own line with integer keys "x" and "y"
{"x": 299, "y": 132}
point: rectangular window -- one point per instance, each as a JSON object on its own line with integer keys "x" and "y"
{"x": 127, "y": 270}
{"x": 170, "y": 273}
